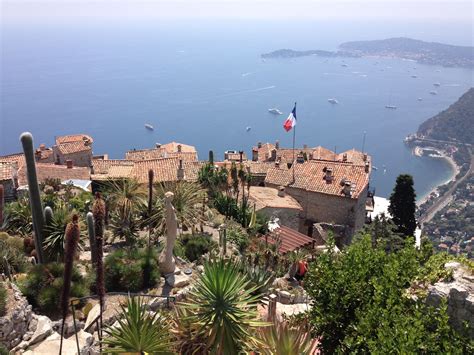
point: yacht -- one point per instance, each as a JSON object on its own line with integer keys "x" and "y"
{"x": 420, "y": 99}
{"x": 275, "y": 111}
{"x": 392, "y": 107}
{"x": 149, "y": 127}
{"x": 248, "y": 128}
{"x": 343, "y": 65}
{"x": 333, "y": 101}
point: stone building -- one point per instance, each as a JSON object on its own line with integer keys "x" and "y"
{"x": 76, "y": 148}
{"x": 274, "y": 204}
{"x": 176, "y": 150}
{"x": 328, "y": 191}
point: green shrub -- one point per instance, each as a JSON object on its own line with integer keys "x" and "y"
{"x": 3, "y": 299}
{"x": 131, "y": 270}
{"x": 196, "y": 246}
{"x": 43, "y": 283}
{"x": 238, "y": 236}
{"x": 15, "y": 256}
{"x": 3, "y": 350}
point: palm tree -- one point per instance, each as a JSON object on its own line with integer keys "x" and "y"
{"x": 138, "y": 331}
{"x": 223, "y": 308}
{"x": 188, "y": 203}
{"x": 127, "y": 196}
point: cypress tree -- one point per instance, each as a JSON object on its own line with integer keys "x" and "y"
{"x": 403, "y": 205}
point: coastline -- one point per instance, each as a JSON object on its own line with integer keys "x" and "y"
{"x": 454, "y": 172}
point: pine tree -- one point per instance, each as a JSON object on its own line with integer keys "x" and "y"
{"x": 403, "y": 206}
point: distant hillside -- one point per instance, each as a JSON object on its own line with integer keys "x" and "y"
{"x": 405, "y": 48}
{"x": 456, "y": 122}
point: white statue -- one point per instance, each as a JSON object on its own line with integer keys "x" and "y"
{"x": 166, "y": 260}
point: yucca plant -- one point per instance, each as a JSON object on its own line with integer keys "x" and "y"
{"x": 126, "y": 196}
{"x": 138, "y": 331}
{"x": 283, "y": 340}
{"x": 17, "y": 217}
{"x": 260, "y": 278}
{"x": 222, "y": 306}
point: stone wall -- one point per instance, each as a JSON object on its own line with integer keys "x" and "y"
{"x": 459, "y": 294}
{"x": 289, "y": 217}
{"x": 319, "y": 207}
{"x": 18, "y": 324}
{"x": 83, "y": 158}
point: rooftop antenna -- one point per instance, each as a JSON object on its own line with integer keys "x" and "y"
{"x": 363, "y": 141}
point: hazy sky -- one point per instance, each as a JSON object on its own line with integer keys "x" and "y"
{"x": 18, "y": 11}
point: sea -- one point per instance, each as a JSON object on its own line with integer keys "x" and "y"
{"x": 204, "y": 83}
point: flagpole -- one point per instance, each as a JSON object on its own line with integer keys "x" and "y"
{"x": 294, "y": 134}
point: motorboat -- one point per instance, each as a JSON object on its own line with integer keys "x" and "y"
{"x": 275, "y": 111}
{"x": 333, "y": 101}
{"x": 392, "y": 107}
{"x": 149, "y": 126}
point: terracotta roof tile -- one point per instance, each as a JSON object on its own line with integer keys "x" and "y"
{"x": 73, "y": 138}
{"x": 321, "y": 153}
{"x": 265, "y": 151}
{"x": 290, "y": 239}
{"x": 310, "y": 176}
{"x": 353, "y": 156}
{"x": 165, "y": 170}
{"x": 17, "y": 158}
{"x": 111, "y": 169}
{"x": 45, "y": 170}
{"x": 73, "y": 147}
{"x": 6, "y": 171}
{"x": 158, "y": 153}
{"x": 234, "y": 156}
{"x": 172, "y": 147}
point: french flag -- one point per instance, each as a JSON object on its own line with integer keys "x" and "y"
{"x": 291, "y": 120}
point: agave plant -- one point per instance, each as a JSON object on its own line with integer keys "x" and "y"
{"x": 17, "y": 217}
{"x": 126, "y": 196}
{"x": 283, "y": 340}
{"x": 260, "y": 278}
{"x": 223, "y": 308}
{"x": 138, "y": 331}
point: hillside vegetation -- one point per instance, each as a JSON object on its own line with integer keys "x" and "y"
{"x": 454, "y": 123}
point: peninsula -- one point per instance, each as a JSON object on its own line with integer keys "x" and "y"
{"x": 405, "y": 48}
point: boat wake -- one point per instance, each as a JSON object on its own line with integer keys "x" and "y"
{"x": 245, "y": 91}
{"x": 246, "y": 74}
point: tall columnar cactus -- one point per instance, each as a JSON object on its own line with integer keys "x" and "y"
{"x": 73, "y": 234}
{"x": 150, "y": 191}
{"x": 2, "y": 197}
{"x": 48, "y": 216}
{"x": 211, "y": 157}
{"x": 91, "y": 233}
{"x": 35, "y": 199}
{"x": 98, "y": 211}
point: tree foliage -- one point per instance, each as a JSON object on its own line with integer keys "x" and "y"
{"x": 360, "y": 303}
{"x": 403, "y": 205}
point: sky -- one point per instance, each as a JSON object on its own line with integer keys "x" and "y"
{"x": 64, "y": 11}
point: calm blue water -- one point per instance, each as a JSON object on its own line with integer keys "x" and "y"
{"x": 202, "y": 84}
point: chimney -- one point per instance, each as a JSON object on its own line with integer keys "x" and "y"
{"x": 179, "y": 148}
{"x": 42, "y": 147}
{"x": 180, "y": 170}
{"x": 300, "y": 158}
{"x": 329, "y": 176}
{"x": 365, "y": 156}
{"x": 274, "y": 155}
{"x": 259, "y": 145}
{"x": 69, "y": 163}
{"x": 277, "y": 145}
{"x": 344, "y": 157}
{"x": 367, "y": 167}
{"x": 241, "y": 154}
{"x": 37, "y": 154}
{"x": 347, "y": 188}
{"x": 254, "y": 154}
{"x": 305, "y": 146}
{"x": 277, "y": 164}
{"x": 281, "y": 191}
{"x": 157, "y": 145}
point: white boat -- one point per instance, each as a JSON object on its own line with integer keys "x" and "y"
{"x": 333, "y": 101}
{"x": 433, "y": 92}
{"x": 149, "y": 126}
{"x": 437, "y": 84}
{"x": 392, "y": 107}
{"x": 420, "y": 99}
{"x": 275, "y": 111}
{"x": 248, "y": 128}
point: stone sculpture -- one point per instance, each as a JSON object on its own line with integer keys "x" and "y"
{"x": 166, "y": 260}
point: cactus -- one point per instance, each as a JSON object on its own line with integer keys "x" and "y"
{"x": 91, "y": 232}
{"x": 35, "y": 199}
{"x": 2, "y": 193}
{"x": 150, "y": 191}
{"x": 73, "y": 234}
{"x": 98, "y": 211}
{"x": 48, "y": 216}
{"x": 211, "y": 157}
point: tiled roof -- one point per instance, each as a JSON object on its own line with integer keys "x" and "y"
{"x": 73, "y": 138}
{"x": 310, "y": 176}
{"x": 111, "y": 169}
{"x": 256, "y": 167}
{"x": 321, "y": 153}
{"x": 45, "y": 170}
{"x": 234, "y": 156}
{"x": 265, "y": 151}
{"x": 6, "y": 171}
{"x": 353, "y": 156}
{"x": 158, "y": 153}
{"x": 46, "y": 154}
{"x": 268, "y": 197}
{"x": 165, "y": 170}
{"x": 17, "y": 158}
{"x": 290, "y": 239}
{"x": 73, "y": 147}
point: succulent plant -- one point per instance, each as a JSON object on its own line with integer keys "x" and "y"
{"x": 73, "y": 234}
{"x": 2, "y": 193}
{"x": 34, "y": 194}
{"x": 91, "y": 233}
